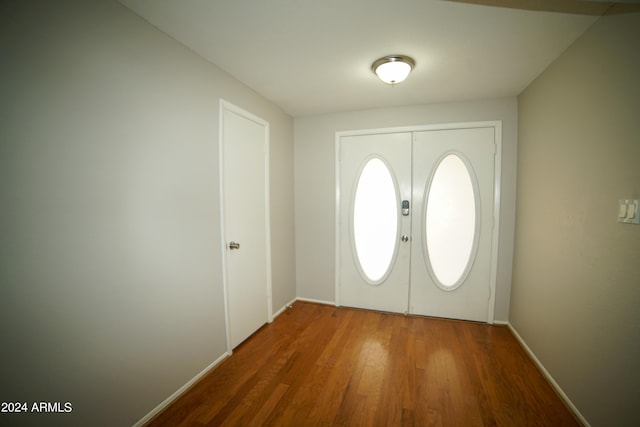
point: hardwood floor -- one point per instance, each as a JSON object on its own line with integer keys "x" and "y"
{"x": 318, "y": 365}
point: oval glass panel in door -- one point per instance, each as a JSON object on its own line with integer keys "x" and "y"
{"x": 450, "y": 222}
{"x": 375, "y": 220}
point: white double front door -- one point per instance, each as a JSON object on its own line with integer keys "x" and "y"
{"x": 415, "y": 221}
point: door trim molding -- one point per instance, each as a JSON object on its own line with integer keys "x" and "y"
{"x": 495, "y": 238}
{"x": 225, "y": 106}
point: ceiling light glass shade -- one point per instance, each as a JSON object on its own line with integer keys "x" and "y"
{"x": 393, "y": 69}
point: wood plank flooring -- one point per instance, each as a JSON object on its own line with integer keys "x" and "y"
{"x": 318, "y": 365}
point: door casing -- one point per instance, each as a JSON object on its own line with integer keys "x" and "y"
{"x": 497, "y": 126}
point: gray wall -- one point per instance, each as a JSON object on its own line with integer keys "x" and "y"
{"x": 110, "y": 266}
{"x": 314, "y": 138}
{"x": 576, "y": 290}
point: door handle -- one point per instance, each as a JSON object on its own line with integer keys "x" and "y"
{"x": 405, "y": 238}
{"x": 234, "y": 245}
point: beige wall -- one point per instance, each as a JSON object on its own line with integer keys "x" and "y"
{"x": 110, "y": 278}
{"x": 314, "y": 138}
{"x": 576, "y": 289}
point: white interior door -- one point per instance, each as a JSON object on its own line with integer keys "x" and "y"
{"x": 245, "y": 222}
{"x": 415, "y": 222}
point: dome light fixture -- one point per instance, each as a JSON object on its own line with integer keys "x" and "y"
{"x": 393, "y": 69}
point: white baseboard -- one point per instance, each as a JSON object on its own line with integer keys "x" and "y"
{"x": 317, "y": 301}
{"x": 169, "y": 400}
{"x": 548, "y": 376}
{"x": 286, "y": 306}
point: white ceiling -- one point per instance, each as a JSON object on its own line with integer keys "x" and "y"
{"x": 314, "y": 56}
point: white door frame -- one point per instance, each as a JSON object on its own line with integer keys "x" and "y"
{"x": 227, "y": 106}
{"x": 497, "y": 126}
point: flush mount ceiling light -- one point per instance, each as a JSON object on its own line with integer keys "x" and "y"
{"x": 393, "y": 69}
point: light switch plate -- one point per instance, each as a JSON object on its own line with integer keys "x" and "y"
{"x": 628, "y": 211}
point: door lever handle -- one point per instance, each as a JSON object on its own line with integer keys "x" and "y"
{"x": 234, "y": 245}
